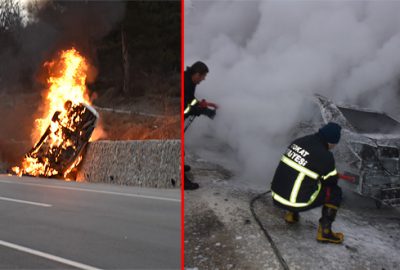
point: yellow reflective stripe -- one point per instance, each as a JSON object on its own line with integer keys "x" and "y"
{"x": 286, "y": 202}
{"x": 303, "y": 171}
{"x": 294, "y": 204}
{"x": 332, "y": 173}
{"x": 315, "y": 194}
{"x": 189, "y": 106}
{"x": 296, "y": 187}
{"x": 299, "y": 168}
{"x": 187, "y": 109}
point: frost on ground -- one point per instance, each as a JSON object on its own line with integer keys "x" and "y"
{"x": 221, "y": 233}
{"x": 219, "y": 230}
{"x": 371, "y": 238}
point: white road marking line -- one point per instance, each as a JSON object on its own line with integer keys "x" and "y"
{"x": 96, "y": 191}
{"x": 27, "y": 202}
{"x": 48, "y": 256}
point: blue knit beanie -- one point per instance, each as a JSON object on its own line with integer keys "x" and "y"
{"x": 330, "y": 132}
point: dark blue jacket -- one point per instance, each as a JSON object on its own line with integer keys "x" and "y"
{"x": 306, "y": 166}
{"x": 192, "y": 105}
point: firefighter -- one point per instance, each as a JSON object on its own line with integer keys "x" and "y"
{"x": 306, "y": 178}
{"x": 193, "y": 76}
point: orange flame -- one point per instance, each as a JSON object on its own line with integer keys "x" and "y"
{"x": 66, "y": 83}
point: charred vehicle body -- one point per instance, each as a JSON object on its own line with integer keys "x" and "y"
{"x": 59, "y": 149}
{"x": 368, "y": 155}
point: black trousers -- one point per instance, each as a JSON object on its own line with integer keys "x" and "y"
{"x": 331, "y": 194}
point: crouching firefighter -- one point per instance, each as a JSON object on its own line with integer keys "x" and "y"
{"x": 306, "y": 178}
{"x": 193, "y": 76}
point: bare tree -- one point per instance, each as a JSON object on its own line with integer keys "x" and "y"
{"x": 125, "y": 61}
{"x": 10, "y": 16}
{"x": 10, "y": 25}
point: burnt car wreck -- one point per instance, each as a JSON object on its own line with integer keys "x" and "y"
{"x": 368, "y": 155}
{"x": 59, "y": 150}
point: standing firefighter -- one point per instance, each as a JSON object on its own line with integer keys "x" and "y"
{"x": 193, "y": 76}
{"x": 306, "y": 178}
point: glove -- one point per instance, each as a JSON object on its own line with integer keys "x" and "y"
{"x": 203, "y": 104}
{"x": 210, "y": 113}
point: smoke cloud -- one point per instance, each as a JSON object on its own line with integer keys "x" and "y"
{"x": 267, "y": 57}
{"x": 48, "y": 27}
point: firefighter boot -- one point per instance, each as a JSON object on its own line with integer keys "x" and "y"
{"x": 187, "y": 168}
{"x": 292, "y": 217}
{"x": 325, "y": 233}
{"x": 189, "y": 185}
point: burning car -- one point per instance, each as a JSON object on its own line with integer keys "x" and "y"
{"x": 368, "y": 155}
{"x": 59, "y": 149}
{"x": 67, "y": 122}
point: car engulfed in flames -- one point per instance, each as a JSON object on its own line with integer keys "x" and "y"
{"x": 60, "y": 148}
{"x": 67, "y": 120}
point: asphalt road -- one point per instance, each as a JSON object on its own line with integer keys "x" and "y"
{"x": 53, "y": 224}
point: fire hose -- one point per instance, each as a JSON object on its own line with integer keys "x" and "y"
{"x": 191, "y": 119}
{"x": 270, "y": 240}
{"x": 267, "y": 235}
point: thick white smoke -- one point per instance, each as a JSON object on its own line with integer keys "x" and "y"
{"x": 265, "y": 57}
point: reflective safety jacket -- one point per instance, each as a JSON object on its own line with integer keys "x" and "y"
{"x": 306, "y": 165}
{"x": 191, "y": 106}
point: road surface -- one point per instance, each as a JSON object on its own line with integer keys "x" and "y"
{"x": 53, "y": 224}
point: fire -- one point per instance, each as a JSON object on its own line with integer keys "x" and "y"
{"x": 67, "y": 123}
{"x": 66, "y": 82}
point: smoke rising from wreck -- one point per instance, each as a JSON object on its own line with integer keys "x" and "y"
{"x": 55, "y": 25}
{"x": 267, "y": 57}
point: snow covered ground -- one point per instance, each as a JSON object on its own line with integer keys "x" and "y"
{"x": 266, "y": 58}
{"x": 221, "y": 233}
